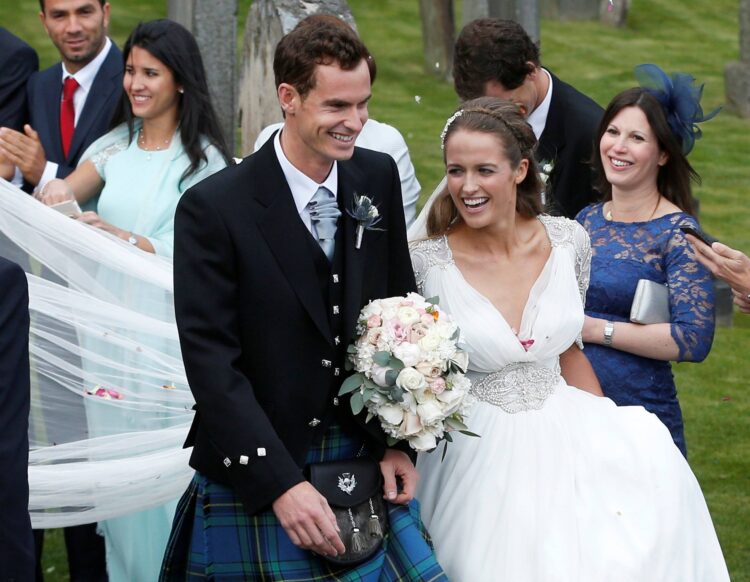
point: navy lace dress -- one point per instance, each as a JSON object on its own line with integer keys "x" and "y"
{"x": 623, "y": 253}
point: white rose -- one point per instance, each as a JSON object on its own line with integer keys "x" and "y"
{"x": 425, "y": 395}
{"x": 378, "y": 374}
{"x": 372, "y": 308}
{"x": 431, "y": 341}
{"x": 425, "y": 441}
{"x": 408, "y": 315}
{"x": 411, "y": 424}
{"x": 451, "y": 400}
{"x": 389, "y": 312}
{"x": 430, "y": 412}
{"x": 408, "y": 353}
{"x": 391, "y": 302}
{"x": 410, "y": 380}
{"x": 391, "y": 413}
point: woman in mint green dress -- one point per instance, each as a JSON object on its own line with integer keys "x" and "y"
{"x": 166, "y": 140}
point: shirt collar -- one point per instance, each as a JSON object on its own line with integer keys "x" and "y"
{"x": 538, "y": 118}
{"x": 303, "y": 188}
{"x": 87, "y": 74}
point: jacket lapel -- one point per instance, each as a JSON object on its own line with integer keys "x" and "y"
{"x": 351, "y": 182}
{"x": 108, "y": 80}
{"x": 288, "y": 237}
{"x": 52, "y": 111}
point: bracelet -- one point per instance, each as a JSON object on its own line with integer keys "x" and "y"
{"x": 609, "y": 333}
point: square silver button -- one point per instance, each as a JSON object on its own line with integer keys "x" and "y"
{"x": 243, "y": 459}
{"x": 261, "y": 451}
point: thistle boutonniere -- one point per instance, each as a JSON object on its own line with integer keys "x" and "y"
{"x": 366, "y": 214}
{"x": 546, "y": 167}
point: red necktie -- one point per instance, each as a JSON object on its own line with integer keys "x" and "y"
{"x": 68, "y": 113}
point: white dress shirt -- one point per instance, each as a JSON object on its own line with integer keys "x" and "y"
{"x": 384, "y": 138}
{"x": 538, "y": 118}
{"x": 85, "y": 78}
{"x": 304, "y": 188}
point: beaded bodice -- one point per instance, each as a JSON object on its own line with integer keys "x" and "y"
{"x": 515, "y": 371}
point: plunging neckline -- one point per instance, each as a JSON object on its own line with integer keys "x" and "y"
{"x": 531, "y": 293}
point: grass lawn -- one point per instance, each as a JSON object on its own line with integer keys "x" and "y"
{"x": 689, "y": 35}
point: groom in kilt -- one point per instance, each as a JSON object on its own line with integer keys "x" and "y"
{"x": 270, "y": 277}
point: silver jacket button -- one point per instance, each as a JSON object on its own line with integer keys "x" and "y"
{"x": 326, "y": 363}
{"x": 314, "y": 422}
{"x": 335, "y": 401}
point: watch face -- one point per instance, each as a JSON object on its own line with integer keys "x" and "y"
{"x": 132, "y": 240}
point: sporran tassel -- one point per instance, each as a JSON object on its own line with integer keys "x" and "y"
{"x": 358, "y": 541}
{"x": 373, "y": 525}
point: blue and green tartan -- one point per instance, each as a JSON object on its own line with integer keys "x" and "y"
{"x": 214, "y": 538}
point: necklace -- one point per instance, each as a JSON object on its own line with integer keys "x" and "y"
{"x": 608, "y": 214}
{"x": 157, "y": 148}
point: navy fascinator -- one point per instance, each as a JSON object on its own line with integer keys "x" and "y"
{"x": 680, "y": 99}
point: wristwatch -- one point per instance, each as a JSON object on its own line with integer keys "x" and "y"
{"x": 609, "y": 333}
{"x": 132, "y": 240}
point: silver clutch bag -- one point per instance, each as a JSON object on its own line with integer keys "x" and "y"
{"x": 650, "y": 303}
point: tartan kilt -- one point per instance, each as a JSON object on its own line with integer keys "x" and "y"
{"x": 214, "y": 538}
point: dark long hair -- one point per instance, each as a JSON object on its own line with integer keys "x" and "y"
{"x": 675, "y": 177}
{"x": 172, "y": 44}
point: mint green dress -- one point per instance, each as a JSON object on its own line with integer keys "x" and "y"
{"x": 141, "y": 192}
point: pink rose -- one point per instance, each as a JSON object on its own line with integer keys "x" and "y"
{"x": 374, "y": 321}
{"x": 417, "y": 332}
{"x": 437, "y": 385}
{"x": 427, "y": 319}
{"x": 400, "y": 333}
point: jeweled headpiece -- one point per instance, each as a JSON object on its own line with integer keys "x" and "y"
{"x": 447, "y": 125}
{"x": 679, "y": 98}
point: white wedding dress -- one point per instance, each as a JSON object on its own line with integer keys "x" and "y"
{"x": 562, "y": 485}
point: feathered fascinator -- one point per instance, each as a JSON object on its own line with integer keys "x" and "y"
{"x": 681, "y": 100}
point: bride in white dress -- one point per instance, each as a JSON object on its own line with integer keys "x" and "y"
{"x": 562, "y": 485}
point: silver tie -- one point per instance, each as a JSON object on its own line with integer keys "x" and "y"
{"x": 324, "y": 213}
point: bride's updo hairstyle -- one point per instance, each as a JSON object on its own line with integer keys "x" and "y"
{"x": 504, "y": 120}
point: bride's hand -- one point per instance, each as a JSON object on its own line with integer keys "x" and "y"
{"x": 54, "y": 192}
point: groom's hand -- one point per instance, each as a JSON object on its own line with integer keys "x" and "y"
{"x": 397, "y": 465}
{"x": 308, "y": 520}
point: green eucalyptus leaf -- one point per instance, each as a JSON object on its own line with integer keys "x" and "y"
{"x": 390, "y": 377}
{"x": 351, "y": 384}
{"x": 471, "y": 434}
{"x": 351, "y": 349}
{"x": 395, "y": 363}
{"x": 390, "y": 441}
{"x": 448, "y": 437}
{"x": 445, "y": 450}
{"x": 357, "y": 403}
{"x": 433, "y": 300}
{"x": 381, "y": 358}
{"x": 396, "y": 394}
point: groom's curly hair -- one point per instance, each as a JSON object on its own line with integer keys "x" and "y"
{"x": 318, "y": 40}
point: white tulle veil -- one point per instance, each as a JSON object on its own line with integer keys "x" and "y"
{"x": 110, "y": 405}
{"x": 418, "y": 228}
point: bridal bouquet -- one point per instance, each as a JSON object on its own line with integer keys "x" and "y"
{"x": 409, "y": 372}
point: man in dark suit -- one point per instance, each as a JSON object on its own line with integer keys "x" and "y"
{"x": 267, "y": 299}
{"x": 65, "y": 118}
{"x": 496, "y": 58}
{"x": 17, "y": 62}
{"x": 16, "y": 542}
{"x": 72, "y": 103}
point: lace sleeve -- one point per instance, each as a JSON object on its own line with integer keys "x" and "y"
{"x": 428, "y": 253}
{"x": 691, "y": 297}
{"x": 419, "y": 262}
{"x": 101, "y": 158}
{"x": 582, "y": 244}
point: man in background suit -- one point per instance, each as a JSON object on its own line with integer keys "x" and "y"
{"x": 66, "y": 116}
{"x": 16, "y": 542}
{"x": 17, "y": 62}
{"x": 496, "y": 58}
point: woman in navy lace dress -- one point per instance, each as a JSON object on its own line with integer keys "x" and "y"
{"x": 645, "y": 178}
